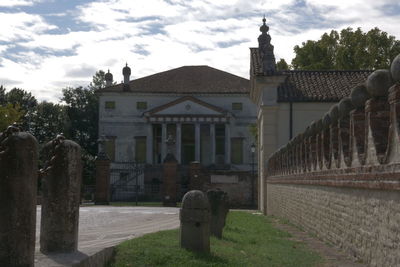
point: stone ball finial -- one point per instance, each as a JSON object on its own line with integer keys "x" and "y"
{"x": 395, "y": 68}
{"x": 126, "y": 70}
{"x": 379, "y": 82}
{"x": 345, "y": 106}
{"x": 195, "y": 199}
{"x": 326, "y": 121}
{"x": 264, "y": 28}
{"x": 359, "y": 95}
{"x": 334, "y": 113}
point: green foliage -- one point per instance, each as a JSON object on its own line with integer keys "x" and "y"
{"x": 349, "y": 50}
{"x": 248, "y": 240}
{"x": 253, "y": 128}
{"x": 83, "y": 112}
{"x": 47, "y": 120}
{"x": 282, "y": 65}
{"x": 8, "y": 115}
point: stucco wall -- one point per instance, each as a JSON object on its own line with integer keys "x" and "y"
{"x": 364, "y": 223}
{"x": 303, "y": 115}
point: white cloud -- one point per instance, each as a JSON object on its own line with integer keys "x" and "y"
{"x": 14, "y": 3}
{"x": 17, "y": 26}
{"x": 156, "y": 35}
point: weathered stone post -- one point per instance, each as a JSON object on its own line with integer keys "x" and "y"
{"x": 170, "y": 169}
{"x": 18, "y": 186}
{"x": 170, "y": 172}
{"x": 195, "y": 182}
{"x": 102, "y": 191}
{"x": 195, "y": 222}
{"x": 219, "y": 206}
{"x": 61, "y": 197}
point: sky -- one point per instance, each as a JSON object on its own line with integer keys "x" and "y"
{"x": 48, "y": 45}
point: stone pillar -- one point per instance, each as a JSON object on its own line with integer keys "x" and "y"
{"x": 227, "y": 144}
{"x": 197, "y": 142}
{"x": 212, "y": 137}
{"x": 102, "y": 193}
{"x": 219, "y": 206}
{"x": 61, "y": 197}
{"x": 195, "y": 180}
{"x": 178, "y": 142}
{"x": 18, "y": 186}
{"x": 164, "y": 141}
{"x": 170, "y": 169}
{"x": 149, "y": 144}
{"x": 195, "y": 222}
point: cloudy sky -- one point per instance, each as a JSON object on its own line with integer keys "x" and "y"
{"x": 46, "y": 45}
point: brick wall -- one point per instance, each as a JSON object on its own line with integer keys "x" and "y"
{"x": 364, "y": 223}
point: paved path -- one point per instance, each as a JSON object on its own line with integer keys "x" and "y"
{"x": 103, "y": 226}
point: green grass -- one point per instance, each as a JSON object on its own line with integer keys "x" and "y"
{"x": 248, "y": 240}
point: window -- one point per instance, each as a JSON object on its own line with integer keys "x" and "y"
{"x": 109, "y": 104}
{"x": 141, "y": 105}
{"x": 110, "y": 148}
{"x": 237, "y": 150}
{"x": 140, "y": 149}
{"x": 237, "y": 106}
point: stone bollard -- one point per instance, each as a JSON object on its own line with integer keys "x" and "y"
{"x": 18, "y": 186}
{"x": 218, "y": 200}
{"x": 195, "y": 222}
{"x": 170, "y": 170}
{"x": 61, "y": 197}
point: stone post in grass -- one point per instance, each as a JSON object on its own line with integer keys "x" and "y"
{"x": 61, "y": 184}
{"x": 219, "y": 206}
{"x": 195, "y": 222}
{"x": 18, "y": 186}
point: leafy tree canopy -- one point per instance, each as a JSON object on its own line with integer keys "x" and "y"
{"x": 8, "y": 115}
{"x": 282, "y": 65}
{"x": 347, "y": 50}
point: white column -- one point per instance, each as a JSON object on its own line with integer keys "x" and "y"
{"x": 212, "y": 137}
{"x": 178, "y": 142}
{"x": 197, "y": 142}
{"x": 149, "y": 144}
{"x": 163, "y": 141}
{"x": 227, "y": 144}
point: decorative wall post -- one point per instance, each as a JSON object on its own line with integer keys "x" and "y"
{"x": 195, "y": 182}
{"x": 18, "y": 186}
{"x": 170, "y": 170}
{"x": 102, "y": 192}
{"x": 61, "y": 196}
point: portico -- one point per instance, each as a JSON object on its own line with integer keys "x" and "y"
{"x": 203, "y": 138}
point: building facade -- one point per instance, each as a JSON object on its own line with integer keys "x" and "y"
{"x": 197, "y": 113}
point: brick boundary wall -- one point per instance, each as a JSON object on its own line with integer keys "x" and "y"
{"x": 340, "y": 179}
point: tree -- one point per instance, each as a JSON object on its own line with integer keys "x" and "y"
{"x": 47, "y": 120}
{"x": 282, "y": 65}
{"x": 8, "y": 115}
{"x": 349, "y": 50}
{"x": 82, "y": 107}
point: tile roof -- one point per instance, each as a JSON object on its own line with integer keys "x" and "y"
{"x": 187, "y": 80}
{"x": 312, "y": 86}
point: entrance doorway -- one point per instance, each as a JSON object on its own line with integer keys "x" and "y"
{"x": 188, "y": 144}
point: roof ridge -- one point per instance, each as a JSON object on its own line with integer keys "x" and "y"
{"x": 327, "y": 71}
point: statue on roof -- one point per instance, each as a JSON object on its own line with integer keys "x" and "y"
{"x": 266, "y": 49}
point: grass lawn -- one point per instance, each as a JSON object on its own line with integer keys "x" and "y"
{"x": 248, "y": 240}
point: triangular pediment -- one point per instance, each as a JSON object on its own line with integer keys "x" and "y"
{"x": 187, "y": 106}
